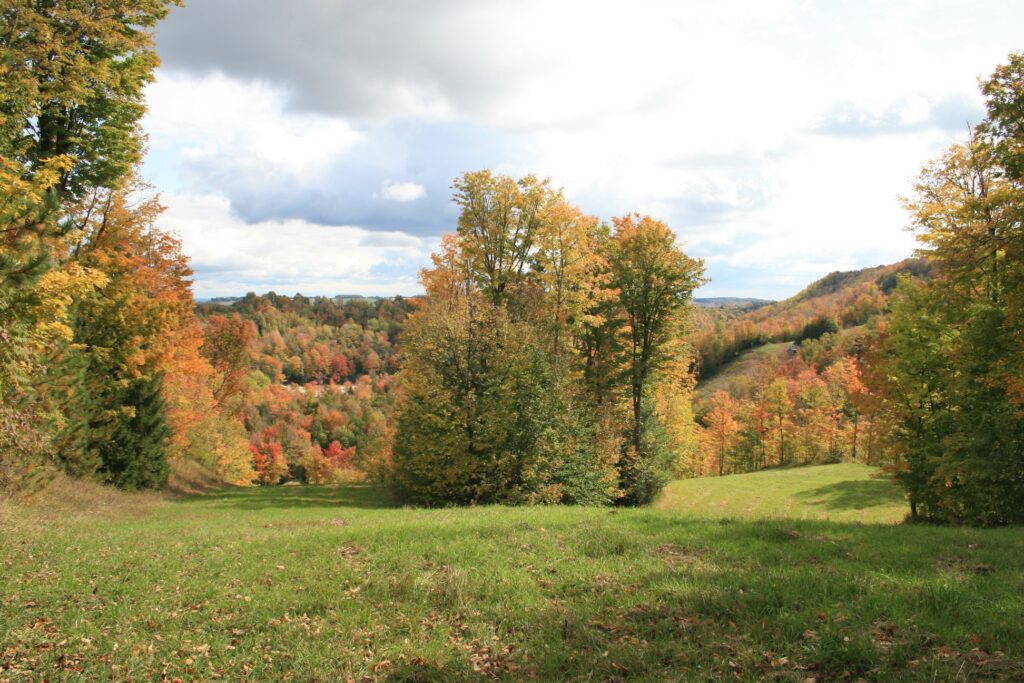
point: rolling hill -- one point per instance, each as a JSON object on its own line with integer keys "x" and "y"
{"x": 838, "y": 301}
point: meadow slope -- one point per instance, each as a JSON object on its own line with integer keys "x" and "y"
{"x": 845, "y": 492}
{"x": 309, "y": 583}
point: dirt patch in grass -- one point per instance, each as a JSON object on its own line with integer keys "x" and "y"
{"x": 350, "y": 551}
{"x": 678, "y": 554}
{"x": 963, "y": 566}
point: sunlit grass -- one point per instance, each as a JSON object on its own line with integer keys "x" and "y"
{"x": 335, "y": 583}
{"x": 846, "y": 492}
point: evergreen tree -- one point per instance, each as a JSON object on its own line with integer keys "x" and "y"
{"x": 135, "y": 455}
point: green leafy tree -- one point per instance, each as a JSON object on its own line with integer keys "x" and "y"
{"x": 135, "y": 455}
{"x": 952, "y": 352}
{"x": 73, "y": 74}
{"x": 475, "y": 407}
{"x": 655, "y": 280}
{"x": 498, "y": 226}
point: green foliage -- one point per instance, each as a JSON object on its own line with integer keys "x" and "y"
{"x": 818, "y": 327}
{"x": 135, "y": 455}
{"x": 584, "y": 460}
{"x": 1004, "y": 93}
{"x": 952, "y": 371}
{"x": 476, "y": 410}
{"x": 644, "y": 471}
{"x": 962, "y": 439}
{"x": 73, "y": 75}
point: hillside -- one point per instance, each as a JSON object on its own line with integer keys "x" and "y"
{"x": 783, "y": 384}
{"x": 333, "y": 583}
{"x": 320, "y": 380}
{"x": 845, "y": 492}
{"x": 737, "y": 376}
{"x": 837, "y": 301}
{"x": 730, "y": 302}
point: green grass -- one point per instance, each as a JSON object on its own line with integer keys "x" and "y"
{"x": 846, "y": 492}
{"x": 334, "y": 583}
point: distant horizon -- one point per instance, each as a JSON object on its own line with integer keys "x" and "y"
{"x": 237, "y": 297}
{"x": 698, "y": 295}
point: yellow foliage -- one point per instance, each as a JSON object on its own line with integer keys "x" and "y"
{"x": 56, "y": 290}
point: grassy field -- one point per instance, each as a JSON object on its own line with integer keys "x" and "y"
{"x": 846, "y": 492}
{"x": 302, "y": 584}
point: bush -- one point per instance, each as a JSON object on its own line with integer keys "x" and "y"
{"x": 479, "y": 421}
{"x": 644, "y": 473}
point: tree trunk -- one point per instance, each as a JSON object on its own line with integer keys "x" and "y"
{"x": 856, "y": 427}
{"x": 637, "y": 411}
{"x": 782, "y": 443}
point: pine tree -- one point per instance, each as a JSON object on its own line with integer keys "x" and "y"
{"x": 135, "y": 456}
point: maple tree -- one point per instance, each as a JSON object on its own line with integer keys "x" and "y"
{"x": 721, "y": 429}
{"x": 498, "y": 226}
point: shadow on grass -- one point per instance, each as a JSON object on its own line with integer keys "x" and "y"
{"x": 298, "y": 496}
{"x": 854, "y": 495}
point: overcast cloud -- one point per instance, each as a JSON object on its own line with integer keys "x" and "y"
{"x": 311, "y": 145}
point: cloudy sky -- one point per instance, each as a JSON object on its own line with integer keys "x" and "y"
{"x": 310, "y": 145}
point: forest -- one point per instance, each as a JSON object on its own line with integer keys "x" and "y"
{"x": 554, "y": 358}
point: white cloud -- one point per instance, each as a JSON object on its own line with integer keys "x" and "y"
{"x": 401, "y": 192}
{"x": 232, "y": 257}
{"x": 212, "y": 117}
{"x": 775, "y": 136}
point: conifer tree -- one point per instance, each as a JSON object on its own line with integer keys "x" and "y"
{"x": 135, "y": 456}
